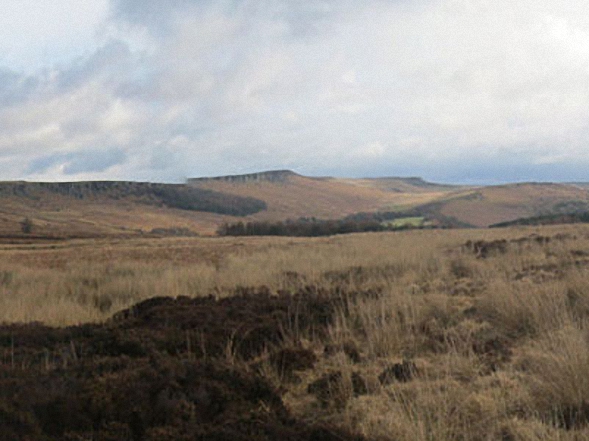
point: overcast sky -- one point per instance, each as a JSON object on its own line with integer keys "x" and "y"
{"x": 452, "y": 90}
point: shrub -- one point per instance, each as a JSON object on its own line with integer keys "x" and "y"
{"x": 26, "y": 225}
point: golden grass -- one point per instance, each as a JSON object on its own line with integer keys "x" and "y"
{"x": 61, "y": 216}
{"x": 501, "y": 344}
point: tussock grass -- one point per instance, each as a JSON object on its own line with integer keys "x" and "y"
{"x": 500, "y": 344}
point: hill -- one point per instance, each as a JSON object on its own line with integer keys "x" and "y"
{"x": 290, "y": 196}
{"x": 581, "y": 217}
{"x": 82, "y": 209}
{"x": 201, "y": 205}
{"x": 486, "y": 206}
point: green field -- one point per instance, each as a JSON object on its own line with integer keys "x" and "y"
{"x": 406, "y": 222}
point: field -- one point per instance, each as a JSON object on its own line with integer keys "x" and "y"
{"x": 412, "y": 335}
{"x": 414, "y": 222}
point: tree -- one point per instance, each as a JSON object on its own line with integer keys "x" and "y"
{"x": 26, "y": 225}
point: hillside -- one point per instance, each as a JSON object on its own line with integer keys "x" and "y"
{"x": 490, "y": 205}
{"x": 291, "y": 196}
{"x": 411, "y": 185}
{"x": 581, "y": 217}
{"x": 86, "y": 209}
{"x": 107, "y": 208}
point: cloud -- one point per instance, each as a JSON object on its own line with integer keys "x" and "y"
{"x": 15, "y": 88}
{"x": 86, "y": 161}
{"x": 35, "y": 35}
{"x": 460, "y": 89}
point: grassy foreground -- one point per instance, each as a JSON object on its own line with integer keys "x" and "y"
{"x": 428, "y": 335}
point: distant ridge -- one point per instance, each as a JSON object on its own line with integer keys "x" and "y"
{"x": 420, "y": 182}
{"x": 265, "y": 176}
{"x": 178, "y": 196}
{"x": 201, "y": 205}
{"x": 416, "y": 181}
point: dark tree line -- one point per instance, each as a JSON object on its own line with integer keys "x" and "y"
{"x": 304, "y": 228}
{"x": 549, "y": 219}
{"x": 381, "y": 216}
{"x": 181, "y": 196}
{"x": 198, "y": 199}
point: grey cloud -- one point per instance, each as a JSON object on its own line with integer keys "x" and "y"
{"x": 93, "y": 160}
{"x": 43, "y": 163}
{"x": 112, "y": 59}
{"x": 301, "y": 18}
{"x": 16, "y": 88}
{"x": 155, "y": 15}
{"x": 142, "y": 11}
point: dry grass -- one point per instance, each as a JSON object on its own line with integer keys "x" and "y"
{"x": 301, "y": 196}
{"x": 506, "y": 202}
{"x": 500, "y": 344}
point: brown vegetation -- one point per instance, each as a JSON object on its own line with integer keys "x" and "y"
{"x": 296, "y": 196}
{"x": 491, "y": 205}
{"x": 131, "y": 209}
{"x": 417, "y": 335}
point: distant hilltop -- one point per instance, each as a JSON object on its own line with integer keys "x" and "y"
{"x": 202, "y": 205}
{"x": 265, "y": 176}
{"x": 285, "y": 175}
{"x": 415, "y": 181}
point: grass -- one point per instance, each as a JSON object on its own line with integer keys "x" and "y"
{"x": 512, "y": 201}
{"x": 500, "y": 344}
{"x": 406, "y": 222}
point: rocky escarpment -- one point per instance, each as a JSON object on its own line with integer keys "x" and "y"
{"x": 267, "y": 176}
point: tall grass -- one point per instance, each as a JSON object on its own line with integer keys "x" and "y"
{"x": 500, "y": 343}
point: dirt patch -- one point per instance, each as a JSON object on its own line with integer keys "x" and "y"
{"x": 146, "y": 399}
{"x": 401, "y": 372}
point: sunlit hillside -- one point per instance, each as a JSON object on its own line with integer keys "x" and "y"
{"x": 97, "y": 209}
{"x": 489, "y": 205}
{"x": 293, "y": 196}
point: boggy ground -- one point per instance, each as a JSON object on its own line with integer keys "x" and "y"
{"x": 462, "y": 335}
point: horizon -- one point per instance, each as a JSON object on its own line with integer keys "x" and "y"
{"x": 212, "y": 177}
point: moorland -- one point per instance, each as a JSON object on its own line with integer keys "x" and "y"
{"x": 69, "y": 210}
{"x": 416, "y": 334}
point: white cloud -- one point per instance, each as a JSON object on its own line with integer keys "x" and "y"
{"x": 34, "y": 34}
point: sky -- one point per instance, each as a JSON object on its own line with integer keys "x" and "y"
{"x": 463, "y": 91}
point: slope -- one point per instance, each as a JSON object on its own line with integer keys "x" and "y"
{"x": 291, "y": 196}
{"x": 490, "y": 205}
{"x": 95, "y": 209}
{"x": 90, "y": 209}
